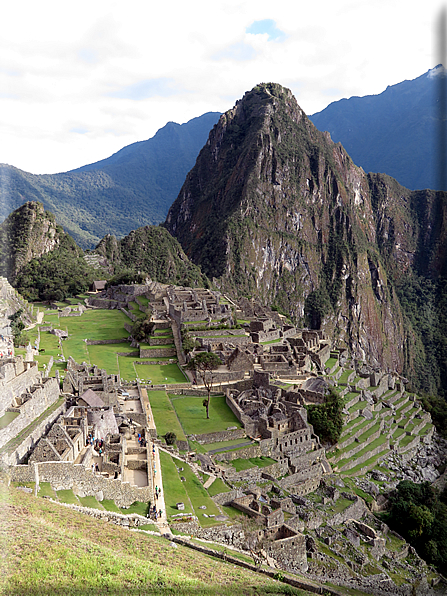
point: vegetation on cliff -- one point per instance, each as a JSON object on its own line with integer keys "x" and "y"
{"x": 56, "y": 275}
{"x": 419, "y": 513}
{"x": 327, "y": 418}
{"x": 152, "y": 251}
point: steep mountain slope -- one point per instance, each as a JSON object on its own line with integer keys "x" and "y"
{"x": 395, "y": 132}
{"x": 274, "y": 209}
{"x": 132, "y": 188}
{"x": 153, "y": 250}
{"x": 27, "y": 233}
{"x": 39, "y": 258}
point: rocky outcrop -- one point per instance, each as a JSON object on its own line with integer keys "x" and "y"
{"x": 28, "y": 233}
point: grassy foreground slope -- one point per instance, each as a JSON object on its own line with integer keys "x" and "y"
{"x": 48, "y": 550}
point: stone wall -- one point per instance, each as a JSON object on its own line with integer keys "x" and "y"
{"x": 15, "y": 380}
{"x": 158, "y": 353}
{"x": 226, "y": 435}
{"x": 360, "y": 460}
{"x": 44, "y": 395}
{"x": 245, "y": 453}
{"x": 100, "y": 342}
{"x": 295, "y": 479}
{"x": 65, "y": 475}
{"x": 354, "y": 511}
{"x": 16, "y": 455}
{"x": 226, "y": 498}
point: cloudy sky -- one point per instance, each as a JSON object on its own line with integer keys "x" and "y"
{"x": 80, "y": 80}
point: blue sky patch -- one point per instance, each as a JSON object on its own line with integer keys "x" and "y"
{"x": 266, "y": 26}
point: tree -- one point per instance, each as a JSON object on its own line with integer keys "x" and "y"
{"x": 170, "y": 438}
{"x": 204, "y": 364}
{"x": 327, "y": 418}
{"x": 142, "y": 330}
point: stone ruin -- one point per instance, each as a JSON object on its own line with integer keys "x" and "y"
{"x": 81, "y": 377}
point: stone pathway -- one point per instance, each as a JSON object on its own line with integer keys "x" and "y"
{"x": 162, "y": 522}
{"x": 210, "y": 481}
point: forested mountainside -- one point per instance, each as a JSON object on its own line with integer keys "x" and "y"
{"x": 396, "y": 132}
{"x": 132, "y": 188}
{"x": 274, "y": 209}
{"x": 39, "y": 258}
{"x": 151, "y": 250}
{"x": 44, "y": 262}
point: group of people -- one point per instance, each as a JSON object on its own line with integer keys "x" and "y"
{"x": 98, "y": 444}
{"x": 141, "y": 441}
{"x": 153, "y": 513}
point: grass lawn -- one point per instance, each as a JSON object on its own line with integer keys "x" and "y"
{"x": 67, "y": 496}
{"x": 127, "y": 368}
{"x": 173, "y": 488}
{"x": 330, "y": 363}
{"x": 103, "y": 357}
{"x": 218, "y": 487}
{"x": 151, "y": 527}
{"x": 109, "y": 505}
{"x": 7, "y": 418}
{"x": 45, "y": 490}
{"x": 192, "y": 414}
{"x": 92, "y": 557}
{"x": 90, "y": 502}
{"x": 245, "y": 464}
{"x": 137, "y": 507}
{"x": 198, "y": 496}
{"x": 50, "y": 343}
{"x": 164, "y": 414}
{"x": 233, "y": 513}
{"x": 161, "y": 374}
{"x": 97, "y": 324}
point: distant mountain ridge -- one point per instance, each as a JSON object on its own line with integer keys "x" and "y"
{"x": 132, "y": 188}
{"x": 395, "y": 132}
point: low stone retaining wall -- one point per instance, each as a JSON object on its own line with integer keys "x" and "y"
{"x": 65, "y": 475}
{"x": 158, "y": 353}
{"x": 160, "y": 340}
{"x": 295, "y": 479}
{"x": 359, "y": 446}
{"x": 366, "y": 456}
{"x": 245, "y": 453}
{"x": 158, "y": 362}
{"x": 227, "y": 435}
{"x": 101, "y": 342}
{"x": 411, "y": 445}
{"x": 226, "y": 498}
{"x": 354, "y": 511}
{"x": 357, "y": 434}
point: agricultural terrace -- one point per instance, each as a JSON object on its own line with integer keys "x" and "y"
{"x": 119, "y": 358}
{"x": 180, "y": 485}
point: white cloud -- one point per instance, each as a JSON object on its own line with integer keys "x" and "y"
{"x": 80, "y": 80}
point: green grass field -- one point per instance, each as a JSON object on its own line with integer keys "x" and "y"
{"x": 245, "y": 464}
{"x": 192, "y": 414}
{"x": 161, "y": 374}
{"x": 173, "y": 488}
{"x": 164, "y": 414}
